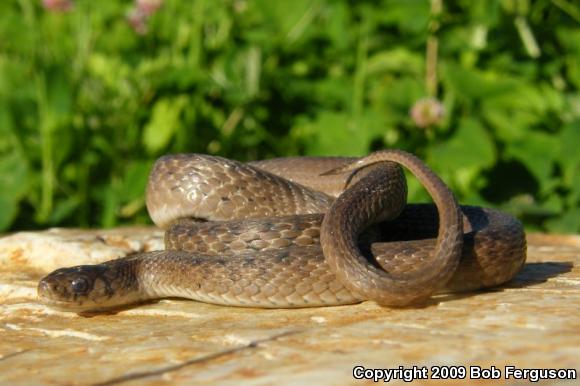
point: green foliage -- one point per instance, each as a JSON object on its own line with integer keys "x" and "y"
{"x": 87, "y": 103}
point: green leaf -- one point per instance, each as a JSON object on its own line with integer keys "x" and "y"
{"x": 337, "y": 21}
{"x": 335, "y": 133}
{"x": 570, "y": 159}
{"x": 290, "y": 19}
{"x": 573, "y": 68}
{"x": 470, "y": 147}
{"x": 163, "y": 124}
{"x": 574, "y": 198}
{"x": 569, "y": 37}
{"x": 134, "y": 181}
{"x": 110, "y": 69}
{"x": 131, "y": 188}
{"x": 13, "y": 175}
{"x": 569, "y": 222}
{"x": 59, "y": 96}
{"x": 472, "y": 83}
{"x": 409, "y": 15}
{"x": 462, "y": 158}
{"x": 398, "y": 59}
{"x": 8, "y": 211}
{"x": 397, "y": 93}
{"x": 513, "y": 111}
{"x": 14, "y": 180}
{"x": 64, "y": 209}
{"x": 538, "y": 153}
{"x": 570, "y": 156}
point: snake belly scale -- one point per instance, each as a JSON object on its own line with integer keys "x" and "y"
{"x": 286, "y": 233}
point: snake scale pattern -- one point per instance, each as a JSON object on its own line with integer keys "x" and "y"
{"x": 299, "y": 232}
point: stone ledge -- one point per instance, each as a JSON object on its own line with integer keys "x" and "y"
{"x": 58, "y": 247}
{"x": 530, "y": 323}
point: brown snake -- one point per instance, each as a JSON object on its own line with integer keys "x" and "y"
{"x": 256, "y": 235}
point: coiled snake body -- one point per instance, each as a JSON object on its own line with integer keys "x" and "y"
{"x": 272, "y": 234}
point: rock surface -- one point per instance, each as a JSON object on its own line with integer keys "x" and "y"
{"x": 532, "y": 323}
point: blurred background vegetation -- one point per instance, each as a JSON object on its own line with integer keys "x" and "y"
{"x": 91, "y": 92}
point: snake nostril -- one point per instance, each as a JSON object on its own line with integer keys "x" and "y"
{"x": 43, "y": 287}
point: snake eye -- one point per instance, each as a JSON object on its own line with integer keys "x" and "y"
{"x": 80, "y": 285}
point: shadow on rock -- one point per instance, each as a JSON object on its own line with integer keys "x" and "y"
{"x": 536, "y": 273}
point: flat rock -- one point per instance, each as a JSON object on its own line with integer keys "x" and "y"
{"x": 531, "y": 323}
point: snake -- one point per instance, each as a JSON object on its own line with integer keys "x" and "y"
{"x": 299, "y": 232}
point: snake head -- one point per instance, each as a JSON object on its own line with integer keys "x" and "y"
{"x": 81, "y": 289}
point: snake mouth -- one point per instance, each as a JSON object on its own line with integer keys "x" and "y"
{"x": 86, "y": 307}
{"x": 54, "y": 301}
